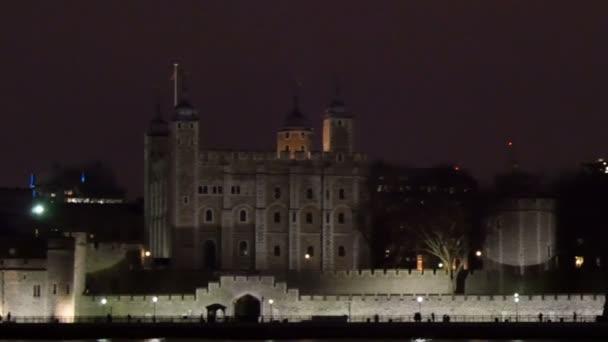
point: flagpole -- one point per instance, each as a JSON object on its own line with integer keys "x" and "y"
{"x": 175, "y": 73}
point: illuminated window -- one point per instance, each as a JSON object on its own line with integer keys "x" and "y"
{"x": 579, "y": 261}
{"x": 419, "y": 262}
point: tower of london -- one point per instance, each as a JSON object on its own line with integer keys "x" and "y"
{"x": 290, "y": 209}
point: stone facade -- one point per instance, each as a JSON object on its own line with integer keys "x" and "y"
{"x": 290, "y": 304}
{"x": 292, "y": 209}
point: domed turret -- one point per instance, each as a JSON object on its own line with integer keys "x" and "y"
{"x": 294, "y": 139}
{"x": 158, "y": 126}
{"x": 338, "y": 127}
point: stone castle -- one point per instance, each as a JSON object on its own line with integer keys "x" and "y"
{"x": 289, "y": 219}
{"x": 289, "y": 209}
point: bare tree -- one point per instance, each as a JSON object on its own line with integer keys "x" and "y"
{"x": 449, "y": 242}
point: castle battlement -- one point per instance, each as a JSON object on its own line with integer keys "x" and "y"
{"x": 227, "y": 156}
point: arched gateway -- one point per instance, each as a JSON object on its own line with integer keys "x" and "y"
{"x": 247, "y": 309}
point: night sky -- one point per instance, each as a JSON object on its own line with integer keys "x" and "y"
{"x": 429, "y": 81}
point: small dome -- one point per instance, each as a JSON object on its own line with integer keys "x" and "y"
{"x": 184, "y": 111}
{"x": 158, "y": 127}
{"x": 337, "y": 109}
{"x": 296, "y": 120}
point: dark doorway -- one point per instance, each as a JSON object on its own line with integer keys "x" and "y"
{"x": 214, "y": 311}
{"x": 247, "y": 309}
{"x": 209, "y": 255}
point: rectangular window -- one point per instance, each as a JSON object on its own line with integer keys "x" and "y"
{"x": 293, "y": 217}
{"x": 309, "y": 193}
{"x": 341, "y": 194}
{"x": 277, "y": 193}
{"x": 214, "y": 189}
{"x": 36, "y": 291}
{"x": 54, "y": 288}
{"x": 220, "y": 190}
{"x": 185, "y": 199}
{"x": 67, "y": 289}
{"x": 327, "y": 218}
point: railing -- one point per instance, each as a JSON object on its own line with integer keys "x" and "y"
{"x": 306, "y": 318}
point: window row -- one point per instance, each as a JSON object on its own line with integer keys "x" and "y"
{"x": 236, "y": 190}
{"x": 276, "y": 251}
{"x": 277, "y": 217}
{"x": 208, "y": 216}
{"x": 310, "y": 251}
{"x": 288, "y": 135}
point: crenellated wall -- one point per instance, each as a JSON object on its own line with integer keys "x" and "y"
{"x": 396, "y": 281}
{"x": 288, "y": 303}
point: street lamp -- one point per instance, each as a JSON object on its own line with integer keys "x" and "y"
{"x": 307, "y": 256}
{"x": 154, "y": 300}
{"x": 271, "y": 301}
{"x": 103, "y": 303}
{"x": 478, "y": 253}
{"x": 516, "y": 300}
{"x": 419, "y": 299}
{"x": 38, "y": 209}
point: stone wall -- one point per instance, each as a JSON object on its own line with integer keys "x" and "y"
{"x": 371, "y": 282}
{"x": 288, "y": 303}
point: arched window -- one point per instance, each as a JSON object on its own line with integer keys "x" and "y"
{"x": 277, "y": 217}
{"x": 208, "y": 215}
{"x": 341, "y": 251}
{"x": 243, "y": 248}
{"x": 310, "y": 251}
{"x": 243, "y": 215}
{"x": 277, "y": 251}
{"x": 341, "y": 194}
{"x": 309, "y": 193}
{"x": 308, "y": 217}
{"x": 340, "y": 218}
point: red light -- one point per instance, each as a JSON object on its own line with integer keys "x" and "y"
{"x": 456, "y": 168}
{"x": 510, "y": 143}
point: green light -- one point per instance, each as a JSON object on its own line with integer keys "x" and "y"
{"x": 38, "y": 209}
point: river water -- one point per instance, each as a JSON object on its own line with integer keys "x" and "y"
{"x": 327, "y": 340}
